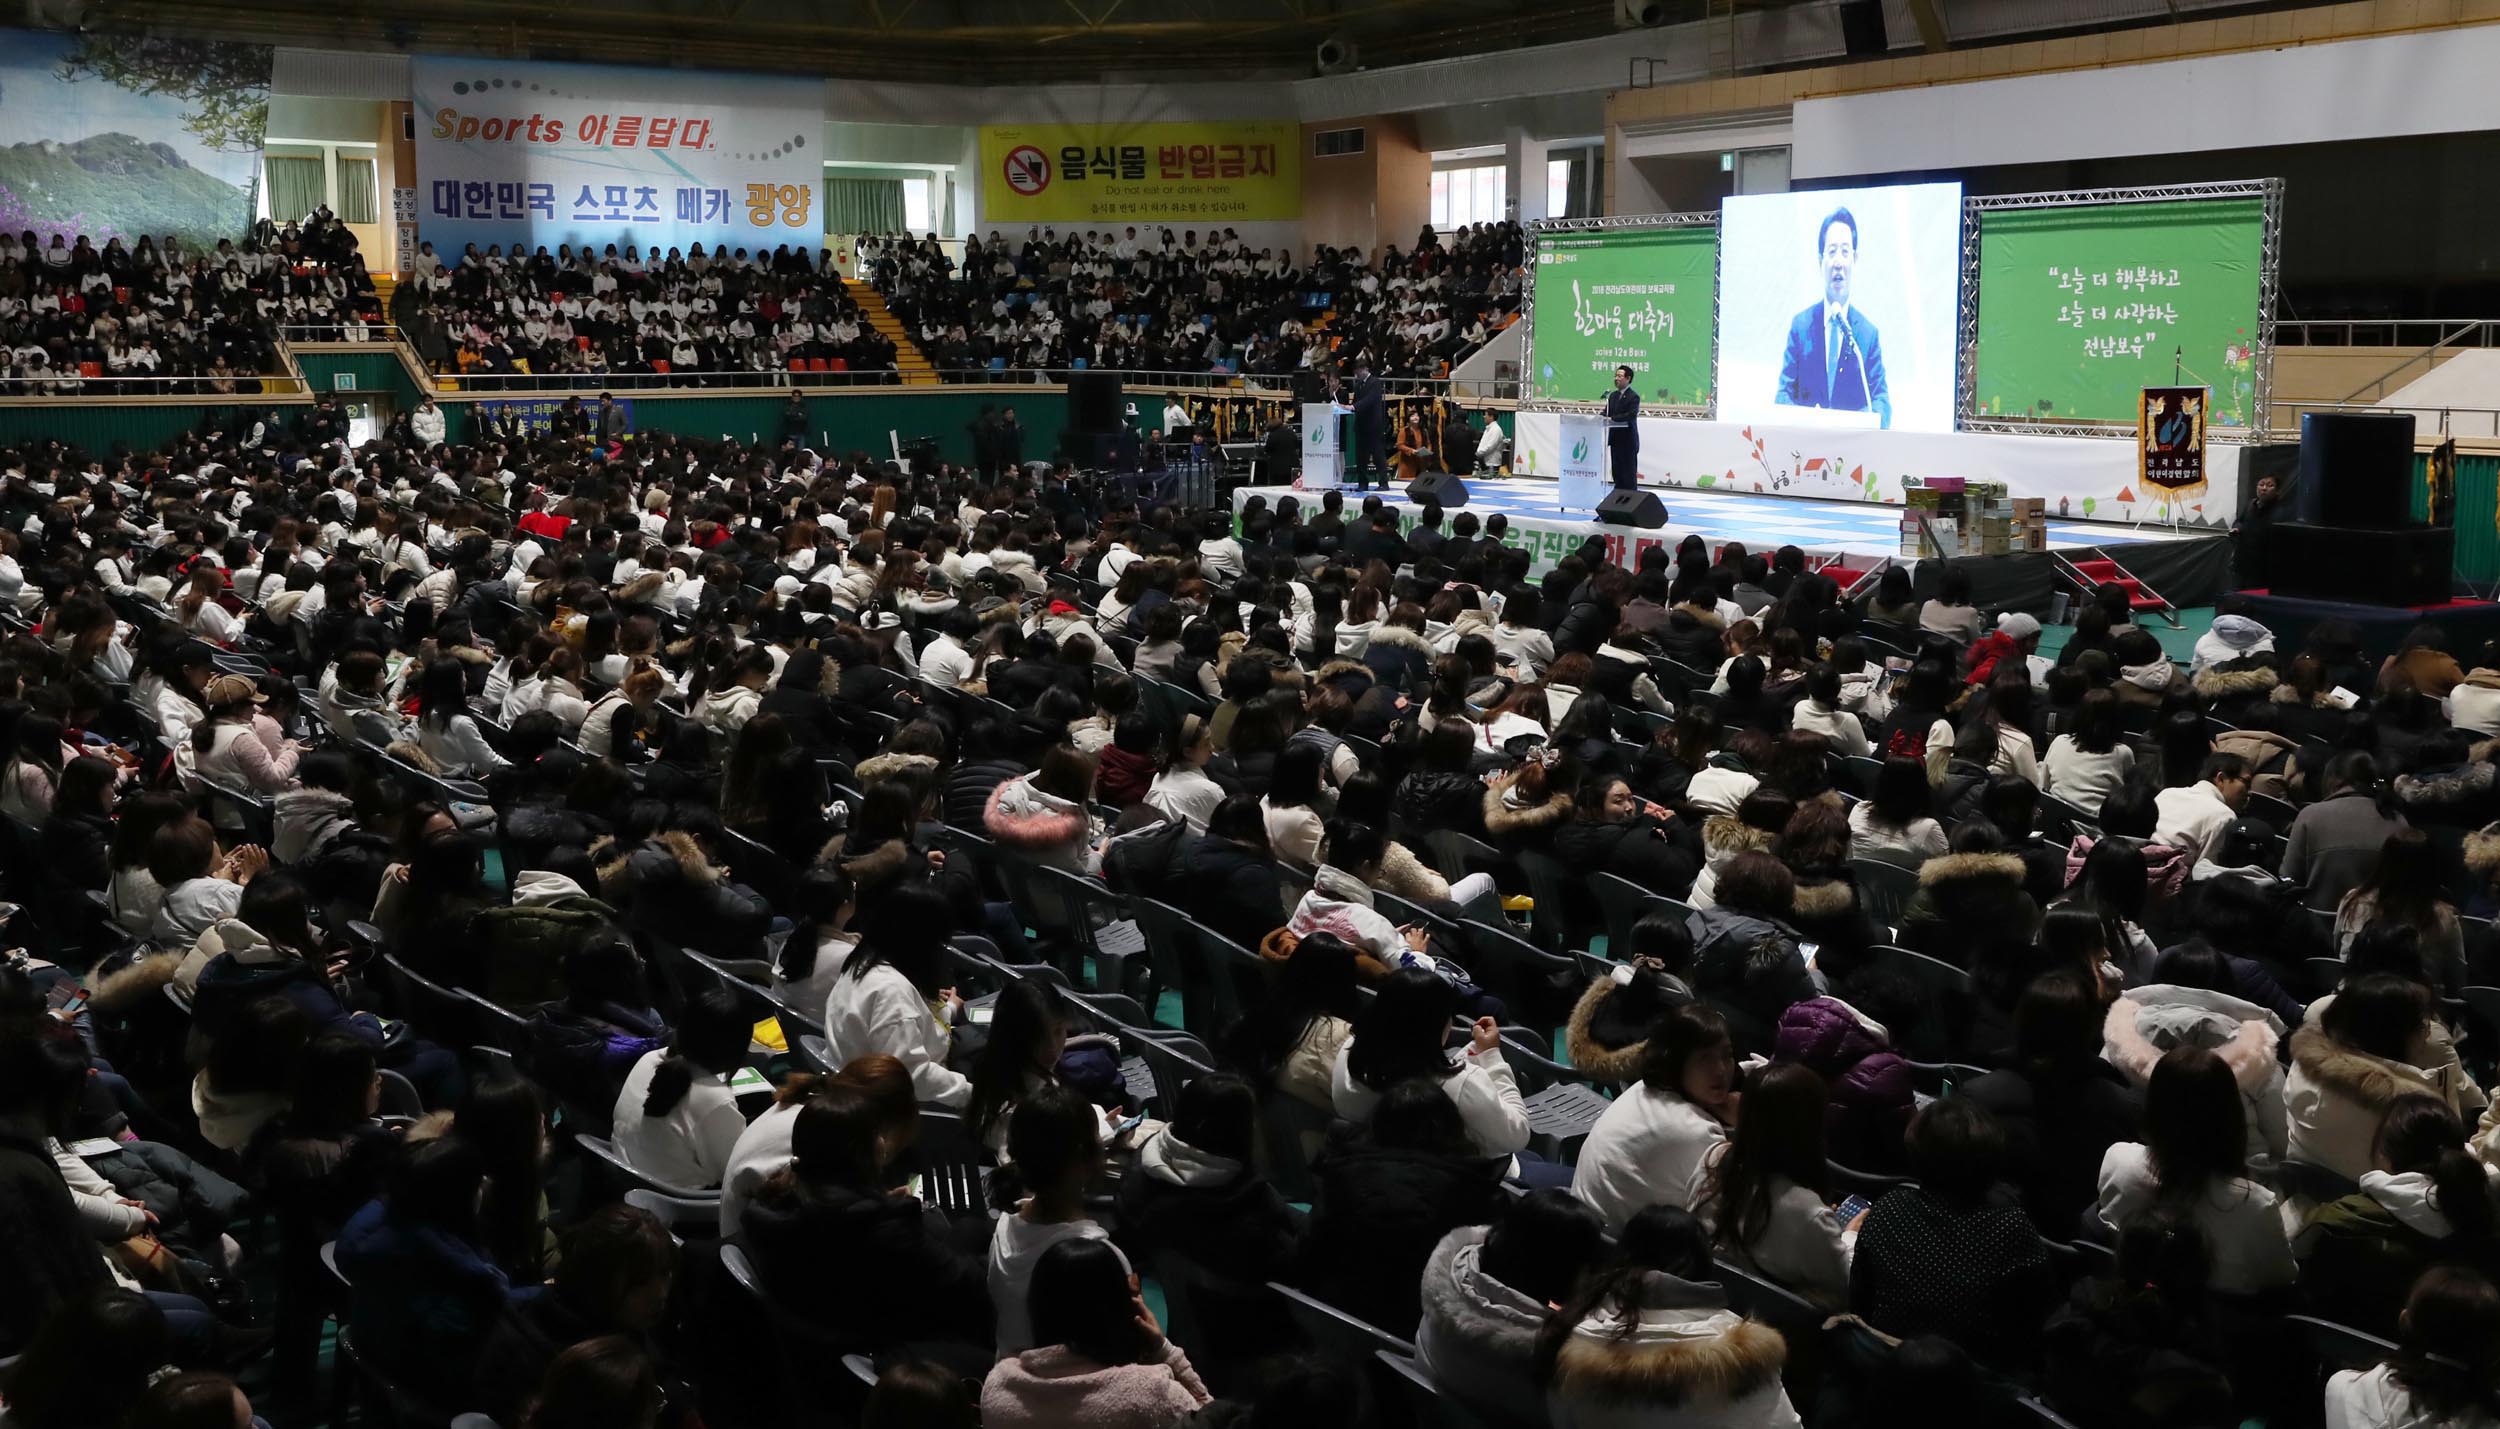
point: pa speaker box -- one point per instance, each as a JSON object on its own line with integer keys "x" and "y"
{"x": 1632, "y": 508}
{"x": 1862, "y": 27}
{"x": 1441, "y": 486}
{"x": 1310, "y": 385}
{"x": 1099, "y": 451}
{"x": 2403, "y": 565}
{"x": 2355, "y": 470}
{"x": 1094, "y": 400}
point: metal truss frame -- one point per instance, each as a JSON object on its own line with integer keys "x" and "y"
{"x": 2269, "y": 269}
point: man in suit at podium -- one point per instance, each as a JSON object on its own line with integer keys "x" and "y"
{"x": 1371, "y": 427}
{"x": 1835, "y": 358}
{"x": 1623, "y": 431}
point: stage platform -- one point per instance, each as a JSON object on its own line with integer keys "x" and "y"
{"x": 2190, "y": 567}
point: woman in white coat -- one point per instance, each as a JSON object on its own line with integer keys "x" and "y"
{"x": 2191, "y": 1165}
{"x": 1402, "y": 1035}
{"x": 1763, "y": 1191}
{"x": 1652, "y": 1144}
{"x": 677, "y": 1120}
{"x": 1652, "y": 1344}
{"x": 896, "y": 995}
{"x": 2445, "y": 1373}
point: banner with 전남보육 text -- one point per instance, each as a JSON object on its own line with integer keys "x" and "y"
{"x": 1247, "y": 172}
{"x": 513, "y": 152}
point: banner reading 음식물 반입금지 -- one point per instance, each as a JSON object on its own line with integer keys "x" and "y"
{"x": 1645, "y": 298}
{"x": 2082, "y": 308}
{"x": 1247, "y": 171}
{"x": 513, "y": 152}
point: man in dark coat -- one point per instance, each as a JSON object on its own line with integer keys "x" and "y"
{"x": 1371, "y": 428}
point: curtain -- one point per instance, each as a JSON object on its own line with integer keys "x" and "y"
{"x": 355, "y": 203}
{"x": 863, "y": 205}
{"x": 294, "y": 187}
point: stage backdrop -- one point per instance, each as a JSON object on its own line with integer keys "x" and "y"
{"x": 2082, "y": 308}
{"x": 511, "y": 152}
{"x": 1222, "y": 173}
{"x": 1643, "y": 296}
{"x": 124, "y": 136}
{"x": 2081, "y": 477}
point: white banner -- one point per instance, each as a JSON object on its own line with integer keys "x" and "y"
{"x": 518, "y": 153}
{"x": 2085, "y": 478}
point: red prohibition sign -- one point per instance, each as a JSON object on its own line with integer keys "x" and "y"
{"x": 1028, "y": 170}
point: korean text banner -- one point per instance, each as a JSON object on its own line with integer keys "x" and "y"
{"x": 596, "y": 154}
{"x": 2081, "y": 309}
{"x": 1638, "y": 297}
{"x": 1141, "y": 173}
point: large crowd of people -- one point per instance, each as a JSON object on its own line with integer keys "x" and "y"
{"x": 421, "y": 845}
{"x": 685, "y": 319}
{"x": 127, "y": 318}
{"x": 1175, "y": 301}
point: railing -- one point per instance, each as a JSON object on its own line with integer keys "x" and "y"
{"x": 60, "y": 385}
{"x": 2471, "y": 422}
{"x": 2388, "y": 332}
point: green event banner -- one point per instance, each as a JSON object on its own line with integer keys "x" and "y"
{"x": 1643, "y": 297}
{"x": 2082, "y": 308}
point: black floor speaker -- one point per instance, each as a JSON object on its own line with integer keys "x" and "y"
{"x": 2363, "y": 565}
{"x": 1632, "y": 508}
{"x": 1441, "y": 486}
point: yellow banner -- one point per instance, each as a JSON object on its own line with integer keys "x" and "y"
{"x": 1248, "y": 172}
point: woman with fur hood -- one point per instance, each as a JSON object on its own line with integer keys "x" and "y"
{"x": 666, "y": 883}
{"x": 1397, "y": 654}
{"x": 2365, "y": 1049}
{"x": 2185, "y": 1006}
{"x": 1608, "y": 1032}
{"x": 1652, "y": 1344}
{"x": 1754, "y": 828}
{"x": 1523, "y": 808}
{"x": 1488, "y": 1292}
{"x": 1042, "y": 815}
{"x": 2236, "y": 687}
{"x": 1970, "y": 901}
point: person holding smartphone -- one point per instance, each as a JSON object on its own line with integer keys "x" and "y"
{"x": 1765, "y": 1190}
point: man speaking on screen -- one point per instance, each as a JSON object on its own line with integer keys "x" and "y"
{"x": 1835, "y": 358}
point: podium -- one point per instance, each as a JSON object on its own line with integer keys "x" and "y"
{"x": 1583, "y": 478}
{"x": 1323, "y": 447}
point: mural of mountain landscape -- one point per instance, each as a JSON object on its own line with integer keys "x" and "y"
{"x": 130, "y": 135}
{"x": 116, "y": 184}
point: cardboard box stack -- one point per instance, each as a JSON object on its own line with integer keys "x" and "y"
{"x": 1991, "y": 517}
{"x": 1944, "y": 504}
{"x": 2031, "y": 524}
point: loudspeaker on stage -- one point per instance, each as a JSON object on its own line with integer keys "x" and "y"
{"x": 1632, "y": 508}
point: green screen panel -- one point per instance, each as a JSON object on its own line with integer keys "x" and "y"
{"x": 1643, "y": 296}
{"x": 2081, "y": 308}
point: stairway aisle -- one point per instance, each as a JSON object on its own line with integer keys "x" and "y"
{"x": 907, "y": 355}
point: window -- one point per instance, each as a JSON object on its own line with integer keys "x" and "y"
{"x": 1475, "y": 195}
{"x": 916, "y": 205}
{"x": 1558, "y": 188}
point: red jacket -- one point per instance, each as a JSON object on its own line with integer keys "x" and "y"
{"x": 1986, "y": 651}
{"x": 544, "y": 523}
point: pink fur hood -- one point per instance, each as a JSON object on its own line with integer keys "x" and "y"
{"x": 1024, "y": 817}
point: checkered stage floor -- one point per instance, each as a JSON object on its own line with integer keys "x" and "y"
{"x": 1763, "y": 523}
